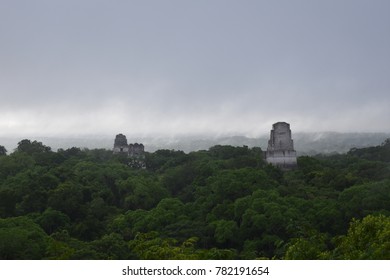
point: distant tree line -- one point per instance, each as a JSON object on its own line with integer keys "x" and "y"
{"x": 220, "y": 203}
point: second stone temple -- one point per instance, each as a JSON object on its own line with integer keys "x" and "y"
{"x": 135, "y": 152}
{"x": 280, "y": 151}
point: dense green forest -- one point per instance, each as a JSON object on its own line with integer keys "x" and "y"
{"x": 223, "y": 203}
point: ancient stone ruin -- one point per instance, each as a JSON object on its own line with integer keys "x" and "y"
{"x": 280, "y": 151}
{"x": 135, "y": 152}
{"x": 120, "y": 144}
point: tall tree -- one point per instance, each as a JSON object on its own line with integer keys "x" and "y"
{"x": 3, "y": 151}
{"x": 32, "y": 147}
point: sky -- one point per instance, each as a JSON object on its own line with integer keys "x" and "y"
{"x": 181, "y": 67}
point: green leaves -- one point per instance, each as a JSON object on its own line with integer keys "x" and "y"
{"x": 366, "y": 239}
{"x": 21, "y": 238}
{"x": 150, "y": 246}
{"x": 53, "y": 220}
{"x": 67, "y": 198}
{"x": 310, "y": 247}
{"x": 28, "y": 147}
{"x": 361, "y": 200}
{"x": 3, "y": 151}
{"x": 218, "y": 204}
{"x": 225, "y": 231}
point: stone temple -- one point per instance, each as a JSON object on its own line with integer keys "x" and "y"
{"x": 120, "y": 144}
{"x": 280, "y": 151}
{"x": 135, "y": 152}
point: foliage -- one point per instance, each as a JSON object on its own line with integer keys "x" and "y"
{"x": 149, "y": 246}
{"x": 3, "y": 151}
{"x": 224, "y": 203}
{"x": 366, "y": 239}
{"x": 21, "y": 238}
{"x": 311, "y": 247}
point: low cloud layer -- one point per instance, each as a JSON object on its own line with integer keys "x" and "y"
{"x": 193, "y": 67}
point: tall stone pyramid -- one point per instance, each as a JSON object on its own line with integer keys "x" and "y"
{"x": 280, "y": 151}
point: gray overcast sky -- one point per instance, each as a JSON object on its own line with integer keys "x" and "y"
{"x": 173, "y": 67}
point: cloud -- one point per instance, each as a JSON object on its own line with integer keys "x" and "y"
{"x": 216, "y": 67}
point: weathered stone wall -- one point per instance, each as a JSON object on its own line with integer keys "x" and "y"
{"x": 135, "y": 152}
{"x": 280, "y": 151}
{"x": 283, "y": 159}
{"x": 280, "y": 138}
{"x": 120, "y": 144}
{"x": 137, "y": 156}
